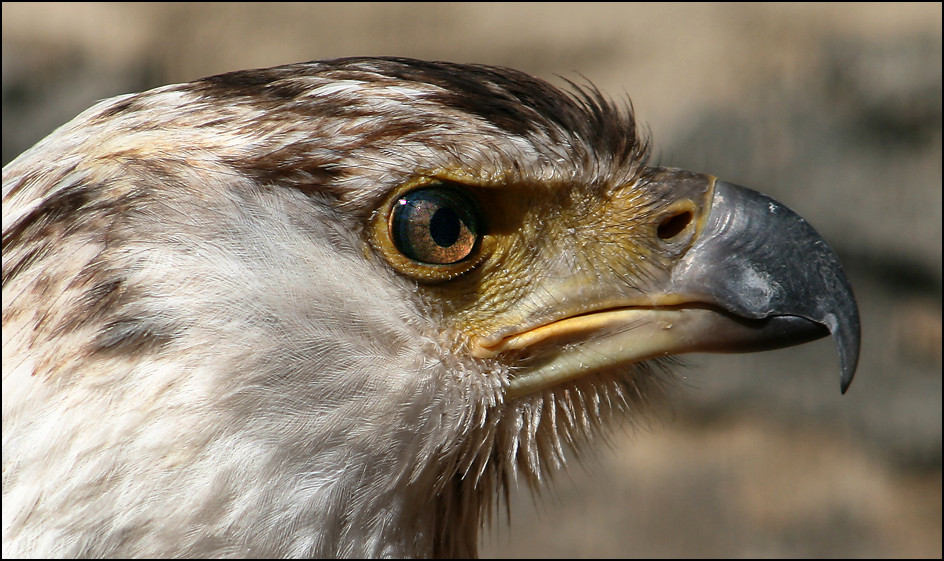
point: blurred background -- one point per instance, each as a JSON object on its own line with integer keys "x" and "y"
{"x": 833, "y": 109}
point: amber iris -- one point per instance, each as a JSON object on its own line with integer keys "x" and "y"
{"x": 435, "y": 225}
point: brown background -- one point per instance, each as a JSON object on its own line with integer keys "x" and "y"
{"x": 834, "y": 109}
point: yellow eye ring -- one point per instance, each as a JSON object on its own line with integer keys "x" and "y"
{"x": 432, "y": 231}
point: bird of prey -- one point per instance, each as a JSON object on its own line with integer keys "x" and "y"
{"x": 335, "y": 308}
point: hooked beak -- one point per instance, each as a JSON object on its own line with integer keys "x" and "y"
{"x": 762, "y": 262}
{"x": 756, "y": 276}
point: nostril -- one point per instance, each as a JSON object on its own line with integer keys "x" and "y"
{"x": 674, "y": 225}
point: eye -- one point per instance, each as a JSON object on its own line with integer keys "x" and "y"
{"x": 436, "y": 225}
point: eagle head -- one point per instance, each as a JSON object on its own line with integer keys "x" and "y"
{"x": 334, "y": 308}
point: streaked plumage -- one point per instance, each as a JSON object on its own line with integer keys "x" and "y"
{"x": 215, "y": 343}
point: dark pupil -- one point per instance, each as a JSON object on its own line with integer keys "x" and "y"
{"x": 445, "y": 227}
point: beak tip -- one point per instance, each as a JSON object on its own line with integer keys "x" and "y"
{"x": 845, "y": 382}
{"x": 848, "y": 342}
{"x": 849, "y": 363}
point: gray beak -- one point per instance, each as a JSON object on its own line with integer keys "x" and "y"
{"x": 762, "y": 263}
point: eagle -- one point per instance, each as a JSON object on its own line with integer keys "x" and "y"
{"x": 334, "y": 309}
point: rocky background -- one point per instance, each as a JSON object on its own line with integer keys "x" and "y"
{"x": 834, "y": 109}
